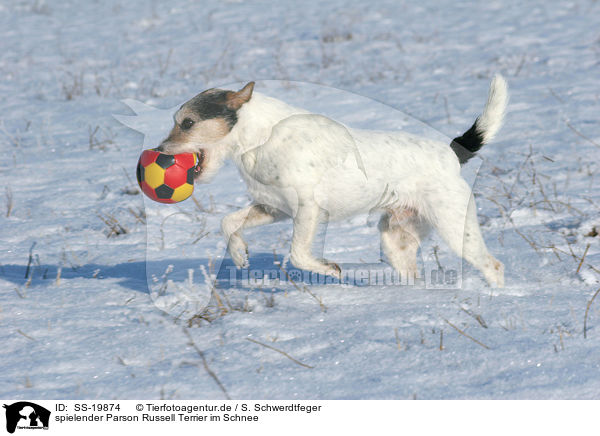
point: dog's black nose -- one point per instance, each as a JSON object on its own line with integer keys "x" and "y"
{"x": 160, "y": 148}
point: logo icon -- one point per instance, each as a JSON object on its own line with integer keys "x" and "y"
{"x": 26, "y": 415}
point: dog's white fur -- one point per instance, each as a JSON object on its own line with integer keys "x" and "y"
{"x": 314, "y": 169}
{"x": 491, "y": 119}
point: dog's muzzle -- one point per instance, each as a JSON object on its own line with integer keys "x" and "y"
{"x": 201, "y": 156}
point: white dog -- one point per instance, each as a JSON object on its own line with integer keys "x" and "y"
{"x": 313, "y": 169}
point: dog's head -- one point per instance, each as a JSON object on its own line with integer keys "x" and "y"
{"x": 205, "y": 121}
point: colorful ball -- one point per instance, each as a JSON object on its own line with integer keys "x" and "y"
{"x": 166, "y": 178}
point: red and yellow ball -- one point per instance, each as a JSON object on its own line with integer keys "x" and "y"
{"x": 167, "y": 178}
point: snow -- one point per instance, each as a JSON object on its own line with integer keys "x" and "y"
{"x": 89, "y": 321}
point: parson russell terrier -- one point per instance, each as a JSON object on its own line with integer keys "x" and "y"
{"x": 313, "y": 169}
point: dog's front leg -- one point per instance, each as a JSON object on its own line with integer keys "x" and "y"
{"x": 233, "y": 224}
{"x": 306, "y": 222}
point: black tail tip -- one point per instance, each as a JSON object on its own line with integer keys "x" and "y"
{"x": 468, "y": 144}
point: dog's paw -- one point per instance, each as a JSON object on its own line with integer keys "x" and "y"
{"x": 329, "y": 269}
{"x": 499, "y": 268}
{"x": 317, "y": 266}
{"x": 238, "y": 250}
{"x": 494, "y": 273}
{"x": 333, "y": 270}
{"x": 406, "y": 267}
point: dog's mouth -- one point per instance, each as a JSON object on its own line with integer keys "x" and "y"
{"x": 201, "y": 158}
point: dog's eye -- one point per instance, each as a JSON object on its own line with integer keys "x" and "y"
{"x": 187, "y": 123}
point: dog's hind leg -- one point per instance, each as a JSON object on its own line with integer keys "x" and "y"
{"x": 401, "y": 233}
{"x": 233, "y": 224}
{"x": 306, "y": 221}
{"x": 453, "y": 214}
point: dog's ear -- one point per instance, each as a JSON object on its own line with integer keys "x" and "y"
{"x": 235, "y": 100}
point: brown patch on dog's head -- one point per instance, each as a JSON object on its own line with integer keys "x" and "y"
{"x": 205, "y": 119}
{"x": 235, "y": 100}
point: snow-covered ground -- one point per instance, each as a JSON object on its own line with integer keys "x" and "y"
{"x": 77, "y": 317}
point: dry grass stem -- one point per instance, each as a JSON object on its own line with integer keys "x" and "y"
{"x": 281, "y": 352}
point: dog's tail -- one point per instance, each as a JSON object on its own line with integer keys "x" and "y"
{"x": 486, "y": 125}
